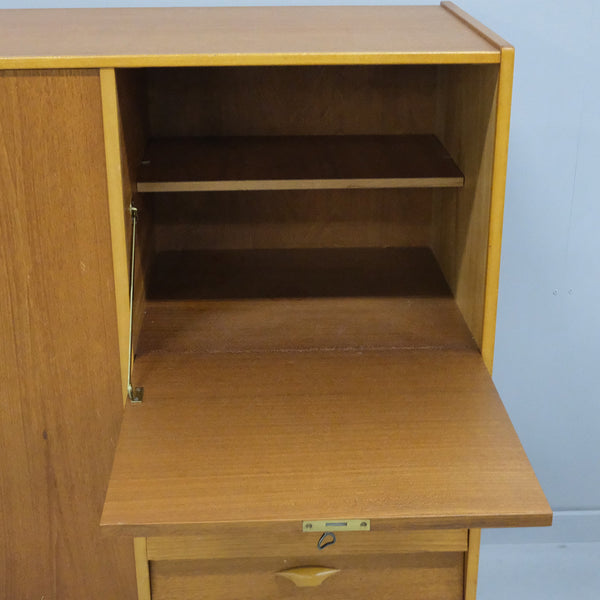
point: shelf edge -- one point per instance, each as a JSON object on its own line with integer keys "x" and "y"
{"x": 298, "y": 184}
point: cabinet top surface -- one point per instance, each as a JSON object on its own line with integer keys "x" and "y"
{"x": 144, "y": 37}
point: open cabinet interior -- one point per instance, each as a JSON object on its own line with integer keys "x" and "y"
{"x": 353, "y": 183}
{"x": 310, "y": 297}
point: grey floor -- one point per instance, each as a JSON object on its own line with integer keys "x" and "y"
{"x": 547, "y": 571}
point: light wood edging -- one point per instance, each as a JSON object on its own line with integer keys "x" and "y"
{"x": 263, "y": 543}
{"x": 472, "y": 564}
{"x": 505, "y": 80}
{"x": 142, "y": 570}
{"x": 248, "y": 60}
{"x": 298, "y": 184}
{"x": 486, "y": 33}
{"x": 114, "y": 176}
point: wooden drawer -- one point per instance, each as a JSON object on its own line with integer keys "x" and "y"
{"x": 427, "y": 565}
{"x": 280, "y": 542}
{"x": 422, "y": 576}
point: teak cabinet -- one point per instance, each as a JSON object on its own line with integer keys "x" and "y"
{"x": 318, "y": 198}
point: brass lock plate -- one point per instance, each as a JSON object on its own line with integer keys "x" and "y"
{"x": 337, "y": 525}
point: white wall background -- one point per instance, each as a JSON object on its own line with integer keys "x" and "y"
{"x": 547, "y": 366}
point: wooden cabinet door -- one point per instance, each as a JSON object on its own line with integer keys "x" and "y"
{"x": 60, "y": 404}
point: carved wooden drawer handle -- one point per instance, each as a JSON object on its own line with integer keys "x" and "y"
{"x": 308, "y": 576}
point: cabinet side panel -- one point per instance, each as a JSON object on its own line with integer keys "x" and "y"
{"x": 467, "y": 127}
{"x": 497, "y": 204}
{"x": 133, "y": 134}
{"x": 59, "y": 356}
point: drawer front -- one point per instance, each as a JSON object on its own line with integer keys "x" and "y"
{"x": 418, "y": 576}
{"x": 277, "y": 542}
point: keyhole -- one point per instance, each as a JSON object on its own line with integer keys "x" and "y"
{"x": 325, "y": 540}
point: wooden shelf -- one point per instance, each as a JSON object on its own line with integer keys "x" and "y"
{"x": 308, "y": 324}
{"x": 327, "y": 299}
{"x": 296, "y": 162}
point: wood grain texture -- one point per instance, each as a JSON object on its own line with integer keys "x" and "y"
{"x": 237, "y": 36}
{"x": 417, "y": 435}
{"x": 303, "y": 324}
{"x": 291, "y": 101}
{"x": 435, "y": 576}
{"x": 296, "y": 162}
{"x": 275, "y": 543}
{"x": 59, "y": 357}
{"x": 461, "y": 218}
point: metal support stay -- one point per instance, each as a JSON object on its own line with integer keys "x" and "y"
{"x": 135, "y": 394}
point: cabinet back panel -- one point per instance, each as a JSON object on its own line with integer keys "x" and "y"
{"x": 458, "y": 103}
{"x": 291, "y": 100}
{"x": 292, "y": 219}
